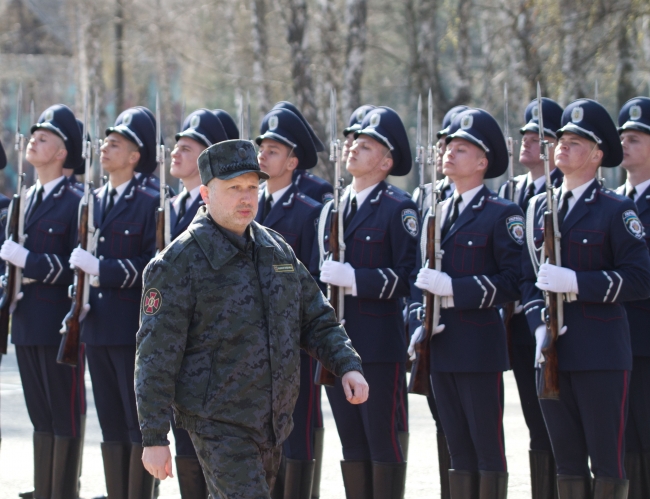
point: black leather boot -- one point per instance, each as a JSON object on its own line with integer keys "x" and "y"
{"x": 634, "y": 472}
{"x": 493, "y": 485}
{"x": 298, "y": 477}
{"x": 140, "y": 480}
{"x": 65, "y": 468}
{"x": 319, "y": 439}
{"x": 574, "y": 487}
{"x": 357, "y": 479}
{"x": 542, "y": 474}
{"x": 191, "y": 481}
{"x": 610, "y": 488}
{"x": 116, "y": 457}
{"x": 43, "y": 449}
{"x": 388, "y": 480}
{"x": 463, "y": 484}
{"x": 444, "y": 465}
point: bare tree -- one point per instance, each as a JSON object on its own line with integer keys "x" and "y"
{"x": 356, "y": 14}
{"x": 261, "y": 53}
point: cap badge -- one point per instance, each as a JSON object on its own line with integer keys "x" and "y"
{"x": 535, "y": 112}
{"x": 360, "y": 114}
{"x": 49, "y": 115}
{"x": 467, "y": 122}
{"x": 577, "y": 114}
{"x": 273, "y": 122}
{"x": 128, "y": 117}
{"x": 375, "y": 119}
{"x": 635, "y": 112}
{"x": 195, "y": 121}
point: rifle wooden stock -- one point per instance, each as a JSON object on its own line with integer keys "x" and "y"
{"x": 10, "y": 277}
{"x": 160, "y": 229}
{"x": 321, "y": 375}
{"x": 69, "y": 347}
{"x": 420, "y": 382}
{"x": 550, "y": 381}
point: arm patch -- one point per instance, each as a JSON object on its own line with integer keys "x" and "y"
{"x": 515, "y": 225}
{"x": 633, "y": 224}
{"x": 410, "y": 222}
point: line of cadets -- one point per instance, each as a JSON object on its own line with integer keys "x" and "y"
{"x": 488, "y": 261}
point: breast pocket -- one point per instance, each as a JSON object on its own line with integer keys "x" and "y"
{"x": 367, "y": 247}
{"x": 126, "y": 239}
{"x": 50, "y": 237}
{"x": 586, "y": 249}
{"x": 469, "y": 252}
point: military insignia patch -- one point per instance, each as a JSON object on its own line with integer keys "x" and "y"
{"x": 151, "y": 302}
{"x": 195, "y": 121}
{"x": 375, "y": 119}
{"x": 328, "y": 196}
{"x": 410, "y": 222}
{"x": 284, "y": 268}
{"x": 577, "y": 114}
{"x": 467, "y": 122}
{"x": 515, "y": 225}
{"x": 633, "y": 224}
{"x": 49, "y": 115}
{"x": 635, "y": 113}
{"x": 273, "y": 122}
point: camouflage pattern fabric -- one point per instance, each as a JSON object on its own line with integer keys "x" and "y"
{"x": 220, "y": 336}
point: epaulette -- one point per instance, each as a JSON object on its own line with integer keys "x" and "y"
{"x": 149, "y": 191}
{"x": 500, "y": 201}
{"x": 75, "y": 190}
{"x": 315, "y": 178}
{"x": 396, "y": 194}
{"x": 312, "y": 203}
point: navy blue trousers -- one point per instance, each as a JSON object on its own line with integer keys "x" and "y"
{"x": 588, "y": 422}
{"x": 369, "y": 431}
{"x": 112, "y": 373}
{"x": 184, "y": 445}
{"x": 637, "y": 431}
{"x": 523, "y": 366}
{"x": 54, "y": 393}
{"x": 471, "y": 411}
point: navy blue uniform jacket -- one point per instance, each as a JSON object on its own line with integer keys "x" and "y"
{"x": 51, "y": 236}
{"x": 127, "y": 241}
{"x": 612, "y": 266}
{"x": 380, "y": 245}
{"x": 312, "y": 186}
{"x": 179, "y": 226}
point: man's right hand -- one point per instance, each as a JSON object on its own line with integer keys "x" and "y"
{"x": 355, "y": 387}
{"x": 157, "y": 460}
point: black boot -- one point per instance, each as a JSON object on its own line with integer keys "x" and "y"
{"x": 298, "y": 478}
{"x": 319, "y": 439}
{"x": 444, "y": 465}
{"x": 140, "y": 480}
{"x": 357, "y": 479}
{"x": 542, "y": 474}
{"x": 494, "y": 485}
{"x": 43, "y": 449}
{"x": 463, "y": 484}
{"x": 388, "y": 480}
{"x": 610, "y": 488}
{"x": 634, "y": 472}
{"x": 574, "y": 487}
{"x": 116, "y": 457}
{"x": 278, "y": 488}
{"x": 65, "y": 468}
{"x": 191, "y": 481}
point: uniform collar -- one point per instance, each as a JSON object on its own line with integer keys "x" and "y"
{"x": 49, "y": 186}
{"x": 640, "y": 188}
{"x": 119, "y": 189}
{"x": 363, "y": 195}
{"x": 277, "y": 195}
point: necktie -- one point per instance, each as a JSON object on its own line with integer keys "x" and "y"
{"x": 351, "y": 213}
{"x": 632, "y": 193}
{"x": 530, "y": 192}
{"x": 110, "y": 203}
{"x": 37, "y": 202}
{"x": 182, "y": 206}
{"x": 565, "y": 206}
{"x": 452, "y": 217}
{"x": 268, "y": 200}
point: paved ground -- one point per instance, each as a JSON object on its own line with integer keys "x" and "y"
{"x": 16, "y": 467}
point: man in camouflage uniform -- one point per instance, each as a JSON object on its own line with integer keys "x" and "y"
{"x": 226, "y": 308}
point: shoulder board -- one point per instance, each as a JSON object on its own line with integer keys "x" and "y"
{"x": 74, "y": 189}
{"x": 609, "y": 194}
{"x": 307, "y": 200}
{"x": 396, "y": 193}
{"x": 315, "y": 178}
{"x": 145, "y": 189}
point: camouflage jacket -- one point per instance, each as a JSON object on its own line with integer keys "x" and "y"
{"x": 220, "y": 334}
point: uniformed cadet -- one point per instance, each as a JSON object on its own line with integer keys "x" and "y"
{"x": 125, "y": 218}
{"x": 286, "y": 145}
{"x": 228, "y": 123}
{"x": 381, "y": 229}
{"x": 481, "y": 240}
{"x": 634, "y": 130}
{"x": 51, "y": 390}
{"x": 605, "y": 262}
{"x": 149, "y": 180}
{"x": 521, "y": 339}
{"x": 226, "y": 308}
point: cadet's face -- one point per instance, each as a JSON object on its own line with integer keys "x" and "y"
{"x": 232, "y": 203}
{"x": 118, "y": 153}
{"x": 366, "y": 155}
{"x": 274, "y": 159}
{"x": 574, "y": 153}
{"x": 636, "y": 149}
{"x": 347, "y": 144}
{"x": 529, "y": 153}
{"x": 463, "y": 160}
{"x": 442, "y": 147}
{"x": 184, "y": 158}
{"x": 45, "y": 147}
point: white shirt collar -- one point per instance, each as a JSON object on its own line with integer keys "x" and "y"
{"x": 120, "y": 189}
{"x": 640, "y": 188}
{"x": 361, "y": 196}
{"x": 277, "y": 195}
{"x": 193, "y": 194}
{"x": 466, "y": 199}
{"x": 576, "y": 194}
{"x": 539, "y": 182}
{"x": 48, "y": 187}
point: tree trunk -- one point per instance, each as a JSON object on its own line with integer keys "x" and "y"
{"x": 260, "y": 54}
{"x": 355, "y": 53}
{"x": 119, "y": 56}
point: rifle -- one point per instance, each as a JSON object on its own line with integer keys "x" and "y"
{"x": 13, "y": 276}
{"x": 420, "y": 381}
{"x": 163, "y": 222}
{"x": 79, "y": 290}
{"x": 549, "y": 383}
{"x": 335, "y": 294}
{"x": 509, "y": 308}
{"x": 244, "y": 116}
{"x": 599, "y": 175}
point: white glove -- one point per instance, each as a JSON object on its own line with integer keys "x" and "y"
{"x": 556, "y": 279}
{"x": 540, "y": 338}
{"x": 14, "y": 253}
{"x": 417, "y": 334}
{"x": 339, "y": 274}
{"x": 435, "y": 282}
{"x": 83, "y": 260}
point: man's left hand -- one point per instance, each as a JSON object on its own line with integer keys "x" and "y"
{"x": 157, "y": 460}
{"x": 14, "y": 253}
{"x": 355, "y": 387}
{"x": 337, "y": 273}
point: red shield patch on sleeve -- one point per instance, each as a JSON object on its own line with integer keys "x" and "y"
{"x": 151, "y": 302}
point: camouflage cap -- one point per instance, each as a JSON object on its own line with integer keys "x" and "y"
{"x": 229, "y": 159}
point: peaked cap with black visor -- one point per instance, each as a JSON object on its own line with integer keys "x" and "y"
{"x": 3, "y": 157}
{"x": 60, "y": 120}
{"x": 285, "y": 127}
{"x": 320, "y": 147}
{"x": 356, "y": 118}
{"x": 635, "y": 115}
{"x": 385, "y": 126}
{"x": 591, "y": 121}
{"x": 228, "y": 123}
{"x": 80, "y": 169}
{"x": 449, "y": 117}
{"x": 551, "y": 113}
{"x": 481, "y": 129}
{"x": 136, "y": 124}
{"x": 204, "y": 127}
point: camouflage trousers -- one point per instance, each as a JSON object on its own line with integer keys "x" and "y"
{"x": 236, "y": 468}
